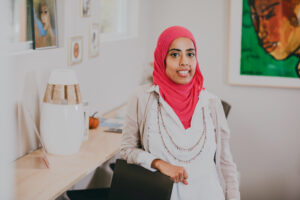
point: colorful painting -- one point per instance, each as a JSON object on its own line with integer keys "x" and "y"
{"x": 265, "y": 43}
{"x": 271, "y": 38}
{"x": 45, "y": 31}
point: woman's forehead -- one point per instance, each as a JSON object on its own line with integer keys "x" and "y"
{"x": 263, "y": 5}
{"x": 44, "y": 7}
{"x": 182, "y": 41}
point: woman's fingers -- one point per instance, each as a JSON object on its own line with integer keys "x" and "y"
{"x": 177, "y": 173}
{"x": 175, "y": 179}
{"x": 180, "y": 175}
{"x": 185, "y": 182}
{"x": 185, "y": 175}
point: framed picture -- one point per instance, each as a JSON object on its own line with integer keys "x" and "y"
{"x": 44, "y": 24}
{"x": 94, "y": 40}
{"x": 264, "y": 47}
{"x": 75, "y": 50}
{"x": 85, "y": 8}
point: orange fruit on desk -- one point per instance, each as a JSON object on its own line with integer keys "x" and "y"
{"x": 93, "y": 121}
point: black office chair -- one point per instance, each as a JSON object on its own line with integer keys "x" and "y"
{"x": 226, "y": 107}
{"x": 130, "y": 182}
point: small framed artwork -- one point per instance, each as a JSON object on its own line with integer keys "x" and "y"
{"x": 85, "y": 8}
{"x": 44, "y": 24}
{"x": 94, "y": 40}
{"x": 75, "y": 50}
{"x": 264, "y": 45}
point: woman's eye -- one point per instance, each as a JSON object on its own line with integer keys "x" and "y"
{"x": 191, "y": 54}
{"x": 174, "y": 55}
{"x": 270, "y": 14}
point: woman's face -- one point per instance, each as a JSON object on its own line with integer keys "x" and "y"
{"x": 181, "y": 61}
{"x": 45, "y": 16}
{"x": 275, "y": 31}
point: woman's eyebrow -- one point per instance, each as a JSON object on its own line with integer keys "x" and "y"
{"x": 174, "y": 49}
{"x": 270, "y": 6}
{"x": 190, "y": 49}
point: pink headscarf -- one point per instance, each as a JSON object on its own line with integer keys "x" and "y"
{"x": 182, "y": 98}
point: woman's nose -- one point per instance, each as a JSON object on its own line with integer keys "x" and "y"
{"x": 262, "y": 31}
{"x": 183, "y": 61}
{"x": 262, "y": 34}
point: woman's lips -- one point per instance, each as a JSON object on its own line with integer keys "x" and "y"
{"x": 183, "y": 73}
{"x": 269, "y": 46}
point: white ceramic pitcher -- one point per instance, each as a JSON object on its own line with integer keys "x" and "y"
{"x": 62, "y": 117}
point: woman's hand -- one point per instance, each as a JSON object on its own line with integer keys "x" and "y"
{"x": 176, "y": 173}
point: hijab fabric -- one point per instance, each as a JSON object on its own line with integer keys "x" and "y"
{"x": 182, "y": 98}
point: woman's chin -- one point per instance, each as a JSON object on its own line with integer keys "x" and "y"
{"x": 182, "y": 81}
{"x": 279, "y": 55}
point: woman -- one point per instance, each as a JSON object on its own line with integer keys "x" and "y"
{"x": 177, "y": 127}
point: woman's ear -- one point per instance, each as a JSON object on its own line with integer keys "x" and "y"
{"x": 297, "y": 13}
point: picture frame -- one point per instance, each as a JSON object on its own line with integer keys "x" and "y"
{"x": 235, "y": 77}
{"x": 94, "y": 40}
{"x": 85, "y": 8}
{"x": 75, "y": 50}
{"x": 44, "y": 24}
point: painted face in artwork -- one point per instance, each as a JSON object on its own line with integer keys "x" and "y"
{"x": 45, "y": 16}
{"x": 94, "y": 37}
{"x": 76, "y": 50}
{"x": 277, "y": 24}
{"x": 181, "y": 61}
{"x": 85, "y": 7}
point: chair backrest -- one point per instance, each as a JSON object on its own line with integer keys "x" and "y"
{"x": 226, "y": 107}
{"x": 133, "y": 182}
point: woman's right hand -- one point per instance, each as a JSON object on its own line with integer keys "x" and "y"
{"x": 176, "y": 173}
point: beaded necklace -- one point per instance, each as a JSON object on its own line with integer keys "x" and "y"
{"x": 159, "y": 116}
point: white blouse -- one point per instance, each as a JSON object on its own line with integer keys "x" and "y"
{"x": 203, "y": 182}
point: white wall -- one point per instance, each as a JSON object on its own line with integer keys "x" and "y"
{"x": 264, "y": 122}
{"x": 6, "y": 114}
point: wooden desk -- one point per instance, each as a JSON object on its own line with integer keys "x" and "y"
{"x": 35, "y": 182}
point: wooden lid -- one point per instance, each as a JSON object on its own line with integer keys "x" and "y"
{"x": 62, "y": 94}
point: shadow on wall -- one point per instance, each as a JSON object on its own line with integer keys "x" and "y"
{"x": 28, "y": 115}
{"x": 103, "y": 175}
{"x": 274, "y": 187}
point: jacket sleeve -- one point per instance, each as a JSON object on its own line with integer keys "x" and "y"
{"x": 131, "y": 148}
{"x": 228, "y": 167}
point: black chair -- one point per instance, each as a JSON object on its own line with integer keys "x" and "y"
{"x": 130, "y": 182}
{"x": 226, "y": 107}
{"x": 89, "y": 194}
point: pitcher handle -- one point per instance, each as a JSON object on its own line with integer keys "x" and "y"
{"x": 85, "y": 105}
